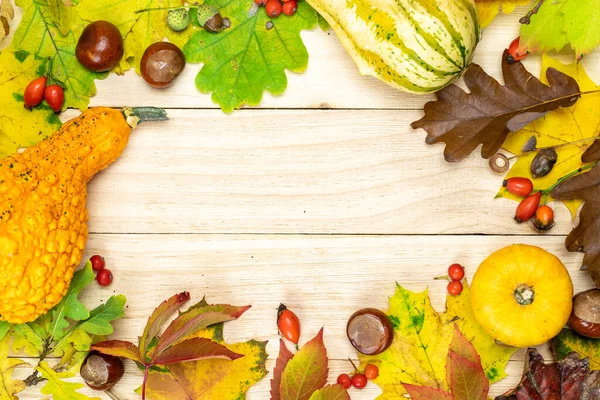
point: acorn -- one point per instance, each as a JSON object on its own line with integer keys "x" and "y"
{"x": 543, "y": 163}
{"x": 585, "y": 317}
{"x": 210, "y": 18}
{"x": 179, "y": 19}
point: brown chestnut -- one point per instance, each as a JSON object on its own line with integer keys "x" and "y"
{"x": 101, "y": 371}
{"x": 100, "y": 46}
{"x": 161, "y": 63}
{"x": 370, "y": 331}
{"x": 585, "y": 317}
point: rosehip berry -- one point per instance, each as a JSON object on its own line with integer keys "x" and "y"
{"x": 456, "y": 272}
{"x": 34, "y": 92}
{"x": 519, "y": 186}
{"x": 104, "y": 277}
{"x": 528, "y": 207}
{"x": 97, "y": 262}
{"x": 345, "y": 381}
{"x": 455, "y": 288}
{"x": 371, "y": 372}
{"x": 359, "y": 381}
{"x": 289, "y": 8}
{"x": 513, "y": 54}
{"x": 273, "y": 8}
{"x": 544, "y": 218}
{"x": 55, "y": 97}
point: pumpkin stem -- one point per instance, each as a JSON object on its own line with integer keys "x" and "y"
{"x": 524, "y": 294}
{"x": 138, "y": 115}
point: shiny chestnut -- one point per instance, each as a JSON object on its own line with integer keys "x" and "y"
{"x": 161, "y": 64}
{"x": 585, "y": 317}
{"x": 100, "y": 46}
{"x": 370, "y": 331}
{"x": 101, "y": 371}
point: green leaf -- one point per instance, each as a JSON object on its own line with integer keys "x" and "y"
{"x": 246, "y": 59}
{"x": 582, "y": 24}
{"x": 331, "y": 392}
{"x": 99, "y": 321}
{"x": 27, "y": 340}
{"x": 306, "y": 372}
{"x": 323, "y": 24}
{"x": 569, "y": 341}
{"x": 56, "y": 385}
{"x": 4, "y": 328}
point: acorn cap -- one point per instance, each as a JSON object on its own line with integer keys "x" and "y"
{"x": 206, "y": 12}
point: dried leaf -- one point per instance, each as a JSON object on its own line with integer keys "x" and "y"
{"x": 568, "y": 341}
{"x": 306, "y": 372}
{"x": 7, "y": 14}
{"x": 530, "y": 145}
{"x": 160, "y": 316}
{"x": 592, "y": 153}
{"x": 586, "y": 236}
{"x": 332, "y": 392}
{"x": 491, "y": 111}
{"x": 568, "y": 379}
{"x": 488, "y": 9}
{"x": 285, "y": 355}
{"x": 8, "y": 386}
{"x": 559, "y": 127}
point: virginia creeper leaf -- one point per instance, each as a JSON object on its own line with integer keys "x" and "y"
{"x": 427, "y": 393}
{"x": 466, "y": 378}
{"x": 568, "y": 379}
{"x": 488, "y": 9}
{"x": 491, "y": 111}
{"x": 119, "y": 348}
{"x": 586, "y": 236}
{"x": 568, "y": 341}
{"x": 331, "y": 392}
{"x": 246, "y": 59}
{"x": 567, "y": 124}
{"x": 422, "y": 338}
{"x": 192, "y": 350}
{"x": 285, "y": 355}
{"x": 160, "y": 316}
{"x": 8, "y": 386}
{"x": 306, "y": 372}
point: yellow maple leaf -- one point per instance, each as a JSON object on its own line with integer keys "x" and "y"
{"x": 488, "y": 9}
{"x": 422, "y": 337}
{"x": 581, "y": 121}
{"x": 8, "y": 387}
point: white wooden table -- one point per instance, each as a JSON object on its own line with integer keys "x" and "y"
{"x": 321, "y": 199}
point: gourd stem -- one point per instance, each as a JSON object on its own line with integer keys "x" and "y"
{"x": 138, "y": 115}
{"x": 524, "y": 294}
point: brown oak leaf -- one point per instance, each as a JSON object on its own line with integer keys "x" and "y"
{"x": 586, "y": 236}
{"x": 592, "y": 153}
{"x": 568, "y": 379}
{"x": 491, "y": 111}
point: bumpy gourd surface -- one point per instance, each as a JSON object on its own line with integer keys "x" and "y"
{"x": 43, "y": 215}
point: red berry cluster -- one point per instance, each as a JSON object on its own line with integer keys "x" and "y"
{"x": 456, "y": 273}
{"x": 103, "y": 276}
{"x": 37, "y": 91}
{"x": 530, "y": 206}
{"x": 359, "y": 379}
{"x": 274, "y": 8}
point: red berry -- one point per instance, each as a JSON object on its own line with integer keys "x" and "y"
{"x": 513, "y": 52}
{"x": 97, "y": 262}
{"x": 544, "y": 218}
{"x": 519, "y": 186}
{"x": 371, "y": 372}
{"x": 34, "y": 92}
{"x": 288, "y": 324}
{"x": 359, "y": 381}
{"x": 455, "y": 288}
{"x": 55, "y": 97}
{"x": 289, "y": 8}
{"x": 456, "y": 272}
{"x": 261, "y": 3}
{"x": 345, "y": 381}
{"x": 104, "y": 277}
{"x": 273, "y": 8}
{"x": 526, "y": 209}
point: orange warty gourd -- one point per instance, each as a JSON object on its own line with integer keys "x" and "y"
{"x": 43, "y": 215}
{"x": 522, "y": 295}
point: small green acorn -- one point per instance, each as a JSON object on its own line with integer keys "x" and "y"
{"x": 210, "y": 19}
{"x": 178, "y": 19}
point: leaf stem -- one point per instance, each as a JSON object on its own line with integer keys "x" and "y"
{"x": 526, "y": 20}
{"x": 554, "y": 147}
{"x": 144, "y": 383}
{"x": 352, "y": 362}
{"x": 549, "y": 190}
{"x": 34, "y": 378}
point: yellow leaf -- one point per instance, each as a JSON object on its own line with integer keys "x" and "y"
{"x": 8, "y": 387}
{"x": 56, "y": 384}
{"x": 422, "y": 338}
{"x": 488, "y": 9}
{"x": 580, "y": 121}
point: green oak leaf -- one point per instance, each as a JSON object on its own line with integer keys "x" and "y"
{"x": 568, "y": 341}
{"x": 246, "y": 59}
{"x": 4, "y": 328}
{"x": 58, "y": 387}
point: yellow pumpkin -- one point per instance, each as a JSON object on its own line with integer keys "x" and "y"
{"x": 522, "y": 295}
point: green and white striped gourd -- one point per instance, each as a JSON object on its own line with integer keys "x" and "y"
{"x": 414, "y": 45}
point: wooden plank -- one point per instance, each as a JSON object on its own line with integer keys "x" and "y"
{"x": 297, "y": 171}
{"x": 324, "y": 279}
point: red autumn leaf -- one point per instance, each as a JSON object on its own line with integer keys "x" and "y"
{"x": 193, "y": 350}
{"x": 491, "y": 111}
{"x": 464, "y": 372}
{"x": 119, "y": 348}
{"x": 160, "y": 316}
{"x": 568, "y": 379}
{"x": 306, "y": 372}
{"x": 427, "y": 393}
{"x": 331, "y": 392}
{"x": 285, "y": 355}
{"x": 195, "y": 319}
